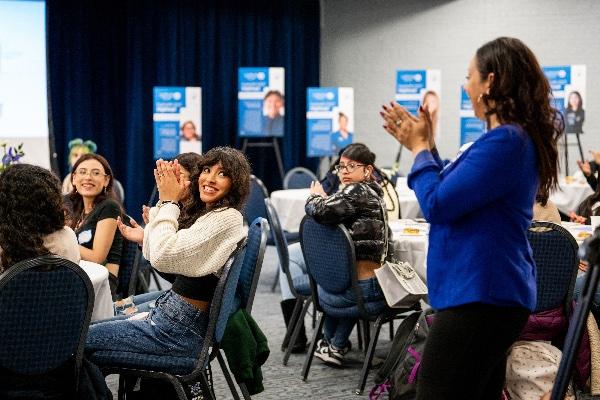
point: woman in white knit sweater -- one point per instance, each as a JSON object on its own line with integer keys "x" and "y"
{"x": 177, "y": 326}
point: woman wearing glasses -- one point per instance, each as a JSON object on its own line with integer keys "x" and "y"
{"x": 94, "y": 213}
{"x": 359, "y": 207}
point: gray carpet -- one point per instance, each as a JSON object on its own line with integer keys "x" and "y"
{"x": 324, "y": 382}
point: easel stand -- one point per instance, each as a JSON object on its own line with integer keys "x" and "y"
{"x": 567, "y": 150}
{"x": 274, "y": 143}
{"x": 589, "y": 251}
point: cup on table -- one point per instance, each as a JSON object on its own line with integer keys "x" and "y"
{"x": 595, "y": 221}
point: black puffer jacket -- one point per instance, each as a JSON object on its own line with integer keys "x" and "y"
{"x": 358, "y": 206}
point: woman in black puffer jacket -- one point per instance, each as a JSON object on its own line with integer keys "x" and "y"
{"x": 359, "y": 207}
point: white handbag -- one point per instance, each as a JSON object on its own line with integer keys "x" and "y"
{"x": 400, "y": 284}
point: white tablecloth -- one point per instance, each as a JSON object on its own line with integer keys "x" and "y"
{"x": 578, "y": 231}
{"x": 409, "y": 205}
{"x": 289, "y": 205}
{"x": 411, "y": 240}
{"x": 103, "y": 304}
{"x": 570, "y": 195}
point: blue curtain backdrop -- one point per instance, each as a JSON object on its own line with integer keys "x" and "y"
{"x": 104, "y": 58}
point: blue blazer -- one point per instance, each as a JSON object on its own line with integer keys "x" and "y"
{"x": 479, "y": 208}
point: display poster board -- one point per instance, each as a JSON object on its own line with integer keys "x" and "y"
{"x": 329, "y": 120}
{"x": 420, "y": 86}
{"x": 568, "y": 84}
{"x": 261, "y": 102}
{"x": 471, "y": 127}
{"x": 177, "y": 120}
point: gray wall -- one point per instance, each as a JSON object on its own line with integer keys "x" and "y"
{"x": 363, "y": 42}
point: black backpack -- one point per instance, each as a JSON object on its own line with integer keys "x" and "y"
{"x": 399, "y": 373}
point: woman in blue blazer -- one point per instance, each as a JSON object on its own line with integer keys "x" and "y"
{"x": 480, "y": 269}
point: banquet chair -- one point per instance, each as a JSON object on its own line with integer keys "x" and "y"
{"x": 299, "y": 178}
{"x": 246, "y": 288}
{"x": 557, "y": 263}
{"x": 330, "y": 260}
{"x": 46, "y": 306}
{"x": 255, "y": 208}
{"x": 181, "y": 372}
{"x": 299, "y": 286}
{"x": 129, "y": 259}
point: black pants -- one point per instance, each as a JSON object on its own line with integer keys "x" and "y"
{"x": 465, "y": 353}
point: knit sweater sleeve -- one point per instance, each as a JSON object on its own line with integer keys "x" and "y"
{"x": 200, "y": 250}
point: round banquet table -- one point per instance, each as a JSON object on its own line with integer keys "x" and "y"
{"x": 411, "y": 240}
{"x": 570, "y": 193}
{"x": 289, "y": 205}
{"x": 103, "y": 304}
{"x": 409, "y": 205}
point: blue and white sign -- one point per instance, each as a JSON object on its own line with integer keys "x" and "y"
{"x": 420, "y": 86}
{"x": 261, "y": 102}
{"x": 177, "y": 120}
{"x": 329, "y": 120}
{"x": 568, "y": 84}
{"x": 471, "y": 127}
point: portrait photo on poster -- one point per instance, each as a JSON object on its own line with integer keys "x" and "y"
{"x": 273, "y": 113}
{"x": 342, "y": 137}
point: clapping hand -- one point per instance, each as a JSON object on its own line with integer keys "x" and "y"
{"x": 584, "y": 166}
{"x": 133, "y": 233}
{"x": 414, "y": 133}
{"x": 168, "y": 181}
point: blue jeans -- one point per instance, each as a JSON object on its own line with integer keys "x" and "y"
{"x": 595, "y": 305}
{"x": 337, "y": 330}
{"x": 297, "y": 268}
{"x": 174, "y": 328}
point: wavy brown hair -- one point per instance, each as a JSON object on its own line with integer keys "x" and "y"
{"x": 31, "y": 207}
{"x": 520, "y": 94}
{"x": 76, "y": 200}
{"x": 192, "y": 205}
{"x": 236, "y": 166}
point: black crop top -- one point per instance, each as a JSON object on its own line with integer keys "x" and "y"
{"x": 199, "y": 288}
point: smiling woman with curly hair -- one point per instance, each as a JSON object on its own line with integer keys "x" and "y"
{"x": 31, "y": 216}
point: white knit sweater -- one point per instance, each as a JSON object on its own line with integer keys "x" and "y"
{"x": 200, "y": 250}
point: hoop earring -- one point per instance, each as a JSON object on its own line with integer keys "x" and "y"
{"x": 105, "y": 190}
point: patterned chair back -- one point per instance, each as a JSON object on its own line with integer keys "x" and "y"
{"x": 252, "y": 264}
{"x": 328, "y": 253}
{"x": 255, "y": 204}
{"x": 46, "y": 305}
{"x": 298, "y": 178}
{"x": 555, "y": 255}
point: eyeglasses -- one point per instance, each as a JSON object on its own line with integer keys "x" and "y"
{"x": 94, "y": 173}
{"x": 350, "y": 168}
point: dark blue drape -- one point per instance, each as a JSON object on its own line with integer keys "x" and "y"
{"x": 104, "y": 58}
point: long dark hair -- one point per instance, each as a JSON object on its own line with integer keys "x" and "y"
{"x": 31, "y": 207}
{"x": 236, "y": 166}
{"x": 76, "y": 200}
{"x": 192, "y": 205}
{"x": 520, "y": 94}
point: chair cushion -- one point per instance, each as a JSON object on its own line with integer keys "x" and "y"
{"x": 151, "y": 362}
{"x": 343, "y": 304}
{"x": 302, "y": 285}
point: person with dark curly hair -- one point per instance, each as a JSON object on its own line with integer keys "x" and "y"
{"x": 94, "y": 212}
{"x": 191, "y": 205}
{"x": 480, "y": 268}
{"x": 196, "y": 255}
{"x": 32, "y": 221}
